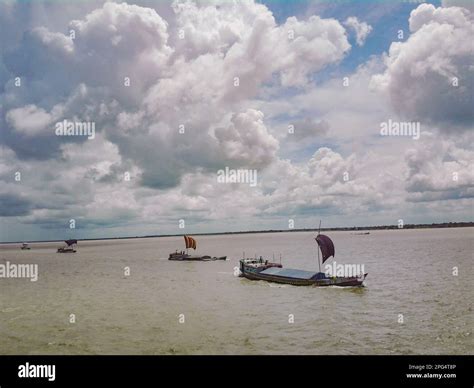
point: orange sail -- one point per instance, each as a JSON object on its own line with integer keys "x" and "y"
{"x": 190, "y": 242}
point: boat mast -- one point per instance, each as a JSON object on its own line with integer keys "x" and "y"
{"x": 319, "y": 232}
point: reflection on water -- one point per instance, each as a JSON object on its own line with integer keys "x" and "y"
{"x": 167, "y": 307}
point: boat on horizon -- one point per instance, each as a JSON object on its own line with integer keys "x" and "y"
{"x": 254, "y": 269}
{"x": 184, "y": 256}
{"x": 69, "y": 247}
{"x": 25, "y": 246}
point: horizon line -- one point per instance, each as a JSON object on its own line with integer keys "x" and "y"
{"x": 337, "y": 228}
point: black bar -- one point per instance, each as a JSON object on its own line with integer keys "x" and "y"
{"x": 168, "y": 370}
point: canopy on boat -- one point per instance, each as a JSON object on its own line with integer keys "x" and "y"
{"x": 326, "y": 245}
{"x": 190, "y": 242}
{"x": 70, "y": 242}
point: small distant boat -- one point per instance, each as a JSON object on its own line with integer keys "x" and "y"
{"x": 25, "y": 246}
{"x": 273, "y": 272}
{"x": 184, "y": 256}
{"x": 69, "y": 247}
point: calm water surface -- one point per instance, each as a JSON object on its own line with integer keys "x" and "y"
{"x": 410, "y": 273}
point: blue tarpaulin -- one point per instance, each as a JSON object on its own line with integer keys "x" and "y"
{"x": 289, "y": 273}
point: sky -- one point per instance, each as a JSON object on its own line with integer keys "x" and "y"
{"x": 302, "y": 101}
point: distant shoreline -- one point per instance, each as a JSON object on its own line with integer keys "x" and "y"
{"x": 336, "y": 229}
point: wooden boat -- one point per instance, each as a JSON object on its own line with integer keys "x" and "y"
{"x": 25, "y": 246}
{"x": 273, "y": 272}
{"x": 184, "y": 256}
{"x": 69, "y": 248}
{"x": 66, "y": 250}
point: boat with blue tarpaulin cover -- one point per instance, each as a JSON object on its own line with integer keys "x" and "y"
{"x": 260, "y": 269}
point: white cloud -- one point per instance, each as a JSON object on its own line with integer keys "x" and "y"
{"x": 428, "y": 77}
{"x": 252, "y": 45}
{"x": 29, "y": 120}
{"x": 316, "y": 43}
{"x": 361, "y": 29}
{"x": 57, "y": 42}
{"x": 427, "y": 14}
{"x": 440, "y": 169}
{"x": 247, "y": 140}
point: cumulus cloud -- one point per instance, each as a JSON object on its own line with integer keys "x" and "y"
{"x": 327, "y": 182}
{"x": 118, "y": 41}
{"x": 180, "y": 91}
{"x": 29, "y": 119}
{"x": 254, "y": 45}
{"x": 427, "y": 78}
{"x": 305, "y": 47}
{"x": 468, "y": 4}
{"x": 440, "y": 169}
{"x": 247, "y": 139}
{"x": 328, "y": 167}
{"x": 361, "y": 29}
{"x": 127, "y": 69}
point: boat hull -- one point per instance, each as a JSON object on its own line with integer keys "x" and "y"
{"x": 341, "y": 282}
{"x": 320, "y": 280}
{"x": 184, "y": 257}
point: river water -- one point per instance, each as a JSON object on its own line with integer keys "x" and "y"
{"x": 412, "y": 302}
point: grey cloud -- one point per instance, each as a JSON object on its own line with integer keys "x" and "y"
{"x": 430, "y": 196}
{"x": 440, "y": 169}
{"x": 308, "y": 128}
{"x": 14, "y": 205}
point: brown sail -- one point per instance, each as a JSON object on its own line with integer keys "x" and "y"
{"x": 190, "y": 242}
{"x": 326, "y": 245}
